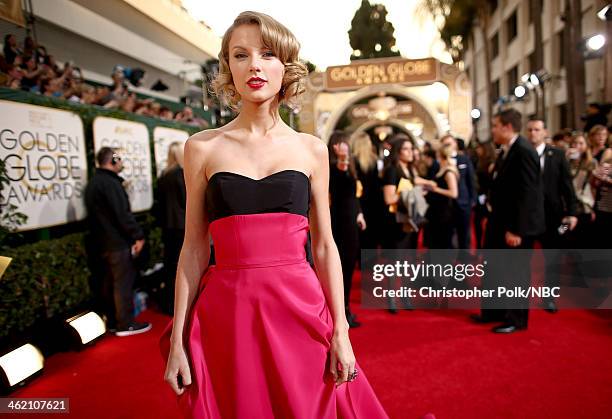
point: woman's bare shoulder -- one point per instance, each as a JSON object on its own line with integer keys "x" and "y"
{"x": 313, "y": 144}
{"x": 313, "y": 150}
{"x": 200, "y": 142}
{"x": 199, "y": 146}
{"x": 203, "y": 138}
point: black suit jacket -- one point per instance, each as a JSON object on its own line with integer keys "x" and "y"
{"x": 516, "y": 198}
{"x": 559, "y": 194}
{"x": 111, "y": 222}
{"x": 466, "y": 184}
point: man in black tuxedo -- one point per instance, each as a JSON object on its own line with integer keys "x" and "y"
{"x": 462, "y": 209}
{"x": 517, "y": 218}
{"x": 559, "y": 201}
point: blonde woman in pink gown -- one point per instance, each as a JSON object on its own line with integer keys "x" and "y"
{"x": 260, "y": 334}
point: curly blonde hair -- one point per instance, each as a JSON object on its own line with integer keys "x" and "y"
{"x": 282, "y": 43}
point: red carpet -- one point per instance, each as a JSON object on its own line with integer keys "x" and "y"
{"x": 417, "y": 361}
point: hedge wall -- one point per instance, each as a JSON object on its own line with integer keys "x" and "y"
{"x": 44, "y": 279}
{"x": 49, "y": 278}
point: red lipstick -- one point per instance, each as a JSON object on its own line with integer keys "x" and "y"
{"x": 256, "y": 82}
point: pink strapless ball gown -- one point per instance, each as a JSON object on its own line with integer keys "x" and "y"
{"x": 259, "y": 332}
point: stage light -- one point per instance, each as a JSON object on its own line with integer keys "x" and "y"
{"x": 475, "y": 114}
{"x": 525, "y": 77}
{"x": 520, "y": 91}
{"x": 21, "y": 363}
{"x": 595, "y": 42}
{"x": 605, "y": 13}
{"x": 89, "y": 326}
{"x": 533, "y": 79}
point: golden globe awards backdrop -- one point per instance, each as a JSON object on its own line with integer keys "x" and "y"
{"x": 131, "y": 139}
{"x": 44, "y": 153}
{"x": 162, "y": 138}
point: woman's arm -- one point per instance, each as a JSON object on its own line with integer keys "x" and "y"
{"x": 195, "y": 253}
{"x": 324, "y": 250}
{"x": 419, "y": 181}
{"x": 451, "y": 181}
{"x": 327, "y": 265}
{"x": 193, "y": 260}
{"x": 390, "y": 194}
{"x": 390, "y": 191}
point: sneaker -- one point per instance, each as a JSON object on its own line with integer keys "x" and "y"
{"x": 133, "y": 329}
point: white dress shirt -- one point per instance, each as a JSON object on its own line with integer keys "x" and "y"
{"x": 540, "y": 150}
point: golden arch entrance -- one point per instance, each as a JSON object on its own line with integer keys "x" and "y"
{"x": 424, "y": 97}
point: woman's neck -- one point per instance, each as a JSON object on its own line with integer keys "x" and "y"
{"x": 259, "y": 118}
{"x": 405, "y": 166}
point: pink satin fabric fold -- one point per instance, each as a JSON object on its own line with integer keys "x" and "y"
{"x": 259, "y": 332}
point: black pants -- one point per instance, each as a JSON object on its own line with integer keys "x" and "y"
{"x": 480, "y": 214}
{"x": 552, "y": 242}
{"x": 397, "y": 239}
{"x": 440, "y": 235}
{"x": 514, "y": 271}
{"x": 462, "y": 226}
{"x": 118, "y": 287}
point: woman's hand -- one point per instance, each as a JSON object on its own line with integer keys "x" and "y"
{"x": 341, "y": 150}
{"x": 513, "y": 240}
{"x": 428, "y": 185}
{"x": 342, "y": 363}
{"x": 361, "y": 221}
{"x": 178, "y": 374}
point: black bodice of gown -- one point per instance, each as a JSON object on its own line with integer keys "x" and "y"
{"x": 440, "y": 206}
{"x": 230, "y": 193}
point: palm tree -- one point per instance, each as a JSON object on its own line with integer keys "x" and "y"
{"x": 538, "y": 51}
{"x": 574, "y": 64}
{"x": 461, "y": 18}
